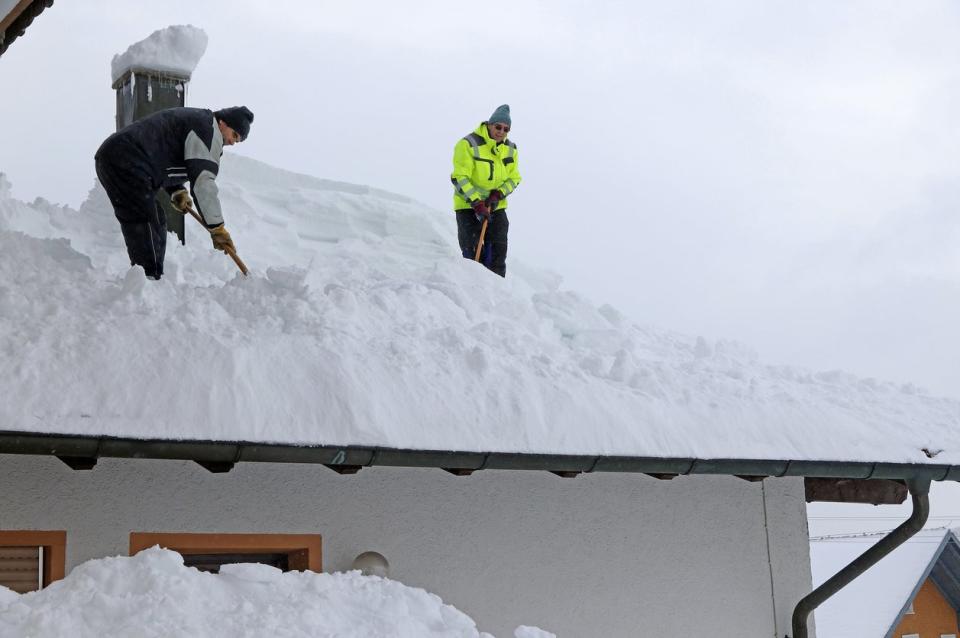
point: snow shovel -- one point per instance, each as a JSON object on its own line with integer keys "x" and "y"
{"x": 483, "y": 231}
{"x": 233, "y": 254}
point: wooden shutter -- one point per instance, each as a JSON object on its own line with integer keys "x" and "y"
{"x": 20, "y": 568}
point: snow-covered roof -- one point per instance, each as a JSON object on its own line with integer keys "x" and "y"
{"x": 361, "y": 325}
{"x": 175, "y": 50}
{"x": 874, "y": 603}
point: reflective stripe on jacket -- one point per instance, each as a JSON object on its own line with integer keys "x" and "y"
{"x": 481, "y": 165}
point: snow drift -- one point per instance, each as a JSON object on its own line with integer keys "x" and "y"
{"x": 154, "y": 594}
{"x": 360, "y": 324}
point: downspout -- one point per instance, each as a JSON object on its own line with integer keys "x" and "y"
{"x": 920, "y": 492}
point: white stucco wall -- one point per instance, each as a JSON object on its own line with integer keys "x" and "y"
{"x": 598, "y": 555}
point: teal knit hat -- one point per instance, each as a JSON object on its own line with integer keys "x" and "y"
{"x": 501, "y": 115}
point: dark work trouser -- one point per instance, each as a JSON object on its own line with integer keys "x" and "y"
{"x": 494, "y": 253}
{"x": 144, "y": 226}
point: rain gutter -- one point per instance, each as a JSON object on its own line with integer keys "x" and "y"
{"x": 920, "y": 492}
{"x": 82, "y": 452}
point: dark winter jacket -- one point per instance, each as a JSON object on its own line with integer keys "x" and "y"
{"x": 174, "y": 146}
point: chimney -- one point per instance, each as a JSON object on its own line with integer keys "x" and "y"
{"x": 142, "y": 92}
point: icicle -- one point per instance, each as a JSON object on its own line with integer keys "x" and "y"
{"x": 133, "y": 81}
{"x": 150, "y": 92}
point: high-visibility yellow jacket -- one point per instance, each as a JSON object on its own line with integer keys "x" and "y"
{"x": 481, "y": 165}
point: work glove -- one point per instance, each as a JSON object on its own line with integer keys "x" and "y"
{"x": 493, "y": 199}
{"x": 481, "y": 209}
{"x": 221, "y": 239}
{"x": 181, "y": 201}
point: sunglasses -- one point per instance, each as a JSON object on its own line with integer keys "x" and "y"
{"x": 502, "y": 127}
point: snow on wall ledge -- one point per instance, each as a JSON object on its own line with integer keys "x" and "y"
{"x": 361, "y": 325}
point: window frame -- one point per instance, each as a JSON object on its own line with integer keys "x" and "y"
{"x": 54, "y": 544}
{"x": 304, "y": 551}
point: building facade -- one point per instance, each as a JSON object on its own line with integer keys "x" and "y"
{"x": 598, "y": 555}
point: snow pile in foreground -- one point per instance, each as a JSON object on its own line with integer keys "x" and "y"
{"x": 7, "y": 595}
{"x": 175, "y": 49}
{"x": 361, "y": 325}
{"x": 154, "y": 594}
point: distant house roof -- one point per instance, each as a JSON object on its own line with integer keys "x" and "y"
{"x": 16, "y": 16}
{"x": 875, "y": 603}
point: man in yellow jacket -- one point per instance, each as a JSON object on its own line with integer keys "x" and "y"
{"x": 485, "y": 173}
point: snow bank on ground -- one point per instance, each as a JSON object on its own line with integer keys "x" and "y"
{"x": 175, "y": 49}
{"x": 7, "y": 595}
{"x": 154, "y": 594}
{"x": 524, "y": 631}
{"x": 360, "y": 324}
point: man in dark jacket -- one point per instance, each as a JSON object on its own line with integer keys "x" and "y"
{"x": 164, "y": 150}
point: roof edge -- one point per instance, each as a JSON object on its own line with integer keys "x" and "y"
{"x": 94, "y": 447}
{"x": 21, "y": 16}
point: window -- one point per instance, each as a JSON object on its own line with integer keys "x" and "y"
{"x": 910, "y": 608}
{"x": 910, "y": 636}
{"x": 948, "y": 635}
{"x": 30, "y": 560}
{"x": 208, "y": 552}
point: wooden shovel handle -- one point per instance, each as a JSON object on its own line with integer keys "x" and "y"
{"x": 483, "y": 231}
{"x": 231, "y": 252}
{"x": 239, "y": 262}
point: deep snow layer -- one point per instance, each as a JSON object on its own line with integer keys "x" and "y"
{"x": 154, "y": 594}
{"x": 360, "y": 324}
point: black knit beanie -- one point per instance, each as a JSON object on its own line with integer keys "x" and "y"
{"x": 238, "y": 118}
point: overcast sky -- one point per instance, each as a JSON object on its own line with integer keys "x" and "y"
{"x": 780, "y": 173}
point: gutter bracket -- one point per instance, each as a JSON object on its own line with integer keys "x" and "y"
{"x": 79, "y": 462}
{"x": 216, "y": 467}
{"x": 920, "y": 492}
{"x": 344, "y": 469}
{"x": 82, "y": 462}
{"x": 660, "y": 476}
{"x": 458, "y": 471}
